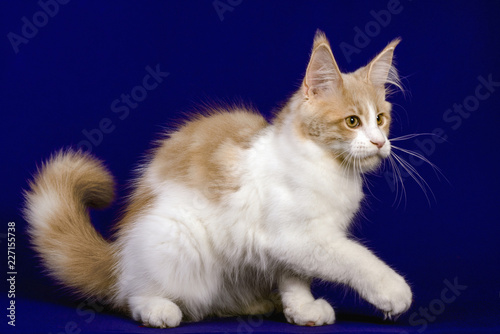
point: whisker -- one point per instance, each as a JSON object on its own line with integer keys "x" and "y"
{"x": 397, "y": 173}
{"x": 413, "y": 135}
{"x": 366, "y": 181}
{"x": 415, "y": 176}
{"x": 407, "y": 168}
{"x": 346, "y": 164}
{"x": 351, "y": 167}
{"x": 436, "y": 169}
{"x": 400, "y": 178}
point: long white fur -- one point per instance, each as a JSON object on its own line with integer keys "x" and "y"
{"x": 288, "y": 214}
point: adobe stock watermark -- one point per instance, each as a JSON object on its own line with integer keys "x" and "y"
{"x": 31, "y": 26}
{"x": 249, "y": 323}
{"x": 429, "y": 314}
{"x": 11, "y": 273}
{"x": 86, "y": 310}
{"x": 453, "y": 118}
{"x": 122, "y": 107}
{"x": 364, "y": 35}
{"x": 223, "y": 6}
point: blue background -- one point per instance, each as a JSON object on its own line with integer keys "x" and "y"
{"x": 63, "y": 80}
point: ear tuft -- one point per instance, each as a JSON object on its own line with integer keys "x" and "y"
{"x": 320, "y": 38}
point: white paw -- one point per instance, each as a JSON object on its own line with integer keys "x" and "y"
{"x": 392, "y": 295}
{"x": 155, "y": 312}
{"x": 315, "y": 313}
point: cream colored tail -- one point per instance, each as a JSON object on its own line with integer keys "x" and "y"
{"x": 73, "y": 252}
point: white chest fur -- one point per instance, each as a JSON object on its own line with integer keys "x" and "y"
{"x": 300, "y": 182}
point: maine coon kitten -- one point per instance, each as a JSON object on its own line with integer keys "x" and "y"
{"x": 232, "y": 215}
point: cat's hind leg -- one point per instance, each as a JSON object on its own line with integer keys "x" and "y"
{"x": 155, "y": 311}
{"x": 262, "y": 306}
{"x": 299, "y": 305}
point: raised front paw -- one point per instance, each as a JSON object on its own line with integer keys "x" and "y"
{"x": 315, "y": 313}
{"x": 391, "y": 294}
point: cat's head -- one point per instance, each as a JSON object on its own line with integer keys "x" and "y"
{"x": 347, "y": 113}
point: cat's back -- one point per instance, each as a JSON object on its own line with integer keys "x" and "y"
{"x": 204, "y": 152}
{"x": 215, "y": 127}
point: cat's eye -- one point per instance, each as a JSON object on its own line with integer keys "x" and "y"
{"x": 380, "y": 119}
{"x": 352, "y": 121}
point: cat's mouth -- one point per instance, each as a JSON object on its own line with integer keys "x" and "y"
{"x": 372, "y": 161}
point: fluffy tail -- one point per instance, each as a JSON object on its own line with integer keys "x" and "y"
{"x": 73, "y": 252}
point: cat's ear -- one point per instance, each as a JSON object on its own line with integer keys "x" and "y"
{"x": 323, "y": 74}
{"x": 381, "y": 70}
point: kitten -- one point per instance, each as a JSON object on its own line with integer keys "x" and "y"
{"x": 232, "y": 215}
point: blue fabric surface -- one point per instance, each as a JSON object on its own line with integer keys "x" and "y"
{"x": 60, "y": 80}
{"x": 47, "y": 317}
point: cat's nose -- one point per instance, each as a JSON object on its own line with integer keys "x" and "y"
{"x": 378, "y": 143}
